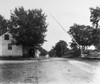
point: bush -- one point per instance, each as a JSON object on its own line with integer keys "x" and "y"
{"x": 76, "y": 53}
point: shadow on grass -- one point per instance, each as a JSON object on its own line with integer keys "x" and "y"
{"x": 16, "y": 58}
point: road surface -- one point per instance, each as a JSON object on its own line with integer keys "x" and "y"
{"x": 50, "y": 71}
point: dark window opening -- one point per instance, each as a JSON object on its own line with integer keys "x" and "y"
{"x": 9, "y": 46}
{"x": 6, "y": 37}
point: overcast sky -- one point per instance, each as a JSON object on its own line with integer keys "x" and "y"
{"x": 67, "y": 12}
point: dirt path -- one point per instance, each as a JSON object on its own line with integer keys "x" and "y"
{"x": 49, "y": 71}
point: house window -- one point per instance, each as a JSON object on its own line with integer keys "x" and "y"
{"x": 9, "y": 46}
{"x": 6, "y": 37}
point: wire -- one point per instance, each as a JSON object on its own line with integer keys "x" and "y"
{"x": 63, "y": 28}
{"x": 57, "y": 22}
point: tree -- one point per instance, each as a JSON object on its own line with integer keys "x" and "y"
{"x": 28, "y": 27}
{"x": 73, "y": 45}
{"x": 43, "y": 51}
{"x": 3, "y": 24}
{"x": 61, "y": 48}
{"x": 75, "y": 50}
{"x": 82, "y": 34}
{"x": 95, "y": 18}
{"x": 96, "y": 38}
{"x": 52, "y": 52}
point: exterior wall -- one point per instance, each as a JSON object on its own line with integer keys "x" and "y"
{"x": 37, "y": 53}
{"x": 25, "y": 51}
{"x": 16, "y": 50}
{"x": 0, "y": 46}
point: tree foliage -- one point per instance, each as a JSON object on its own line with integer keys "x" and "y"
{"x": 43, "y": 52}
{"x": 96, "y": 38}
{"x": 73, "y": 45}
{"x": 82, "y": 34}
{"x": 28, "y": 27}
{"x": 52, "y": 52}
{"x": 75, "y": 50}
{"x": 61, "y": 48}
{"x": 3, "y": 24}
{"x": 95, "y": 16}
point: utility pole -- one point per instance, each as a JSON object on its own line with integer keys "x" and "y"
{"x": 67, "y": 32}
{"x": 37, "y": 61}
{"x": 37, "y": 80}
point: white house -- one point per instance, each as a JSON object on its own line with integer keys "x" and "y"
{"x": 6, "y": 48}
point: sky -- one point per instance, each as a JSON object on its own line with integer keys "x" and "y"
{"x": 67, "y": 12}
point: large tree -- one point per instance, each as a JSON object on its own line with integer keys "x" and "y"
{"x": 28, "y": 27}
{"x": 82, "y": 34}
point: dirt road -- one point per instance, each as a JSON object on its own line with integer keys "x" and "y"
{"x": 50, "y": 71}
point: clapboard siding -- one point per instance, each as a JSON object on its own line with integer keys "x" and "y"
{"x": 4, "y": 51}
{"x": 1, "y": 46}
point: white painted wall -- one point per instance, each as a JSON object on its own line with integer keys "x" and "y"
{"x": 0, "y": 46}
{"x": 16, "y": 50}
{"x": 37, "y": 53}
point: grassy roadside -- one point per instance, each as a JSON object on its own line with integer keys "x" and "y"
{"x": 15, "y": 58}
